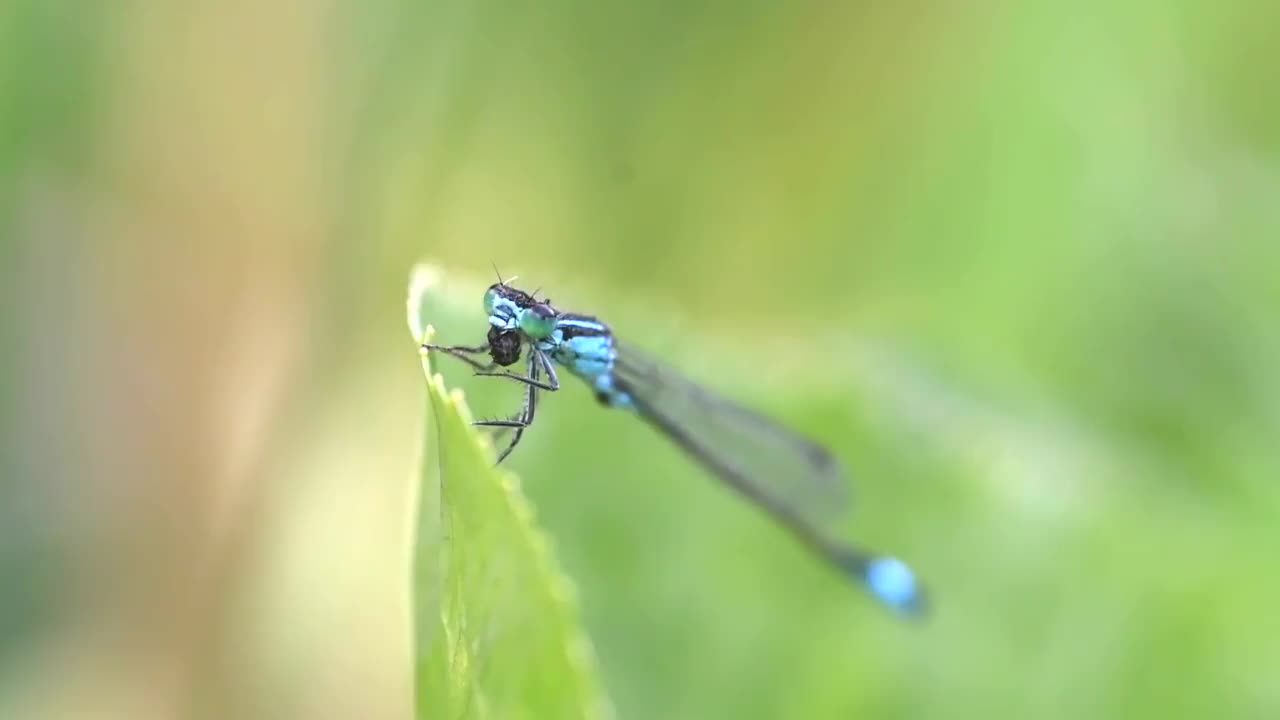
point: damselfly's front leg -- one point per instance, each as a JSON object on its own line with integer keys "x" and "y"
{"x": 464, "y": 353}
{"x": 535, "y": 356}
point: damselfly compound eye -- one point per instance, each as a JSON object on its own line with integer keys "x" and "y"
{"x": 538, "y": 321}
{"x": 490, "y": 298}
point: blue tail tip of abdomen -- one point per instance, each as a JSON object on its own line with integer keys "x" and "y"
{"x": 893, "y": 584}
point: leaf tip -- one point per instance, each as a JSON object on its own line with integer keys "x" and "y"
{"x": 459, "y": 401}
{"x": 436, "y": 380}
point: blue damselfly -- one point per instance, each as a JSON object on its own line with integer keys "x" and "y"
{"x": 798, "y": 482}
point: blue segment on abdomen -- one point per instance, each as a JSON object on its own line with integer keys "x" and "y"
{"x": 894, "y": 583}
{"x": 610, "y": 394}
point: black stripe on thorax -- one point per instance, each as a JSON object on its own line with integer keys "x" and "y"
{"x": 573, "y": 325}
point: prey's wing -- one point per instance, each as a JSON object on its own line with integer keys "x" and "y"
{"x": 796, "y": 480}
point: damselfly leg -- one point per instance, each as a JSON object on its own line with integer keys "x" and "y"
{"x": 538, "y": 363}
{"x": 464, "y": 353}
{"x": 536, "y": 358}
{"x": 489, "y": 369}
{"x": 522, "y": 419}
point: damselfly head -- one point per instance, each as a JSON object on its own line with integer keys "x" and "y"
{"x": 511, "y": 308}
{"x": 504, "y": 304}
{"x": 502, "y": 291}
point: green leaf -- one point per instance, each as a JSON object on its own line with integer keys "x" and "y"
{"x": 496, "y": 624}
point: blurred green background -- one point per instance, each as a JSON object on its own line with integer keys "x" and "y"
{"x": 1017, "y": 263}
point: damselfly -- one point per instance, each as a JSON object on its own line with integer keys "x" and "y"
{"x": 796, "y": 481}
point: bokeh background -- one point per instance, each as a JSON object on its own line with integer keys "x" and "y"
{"x": 1017, "y": 263}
